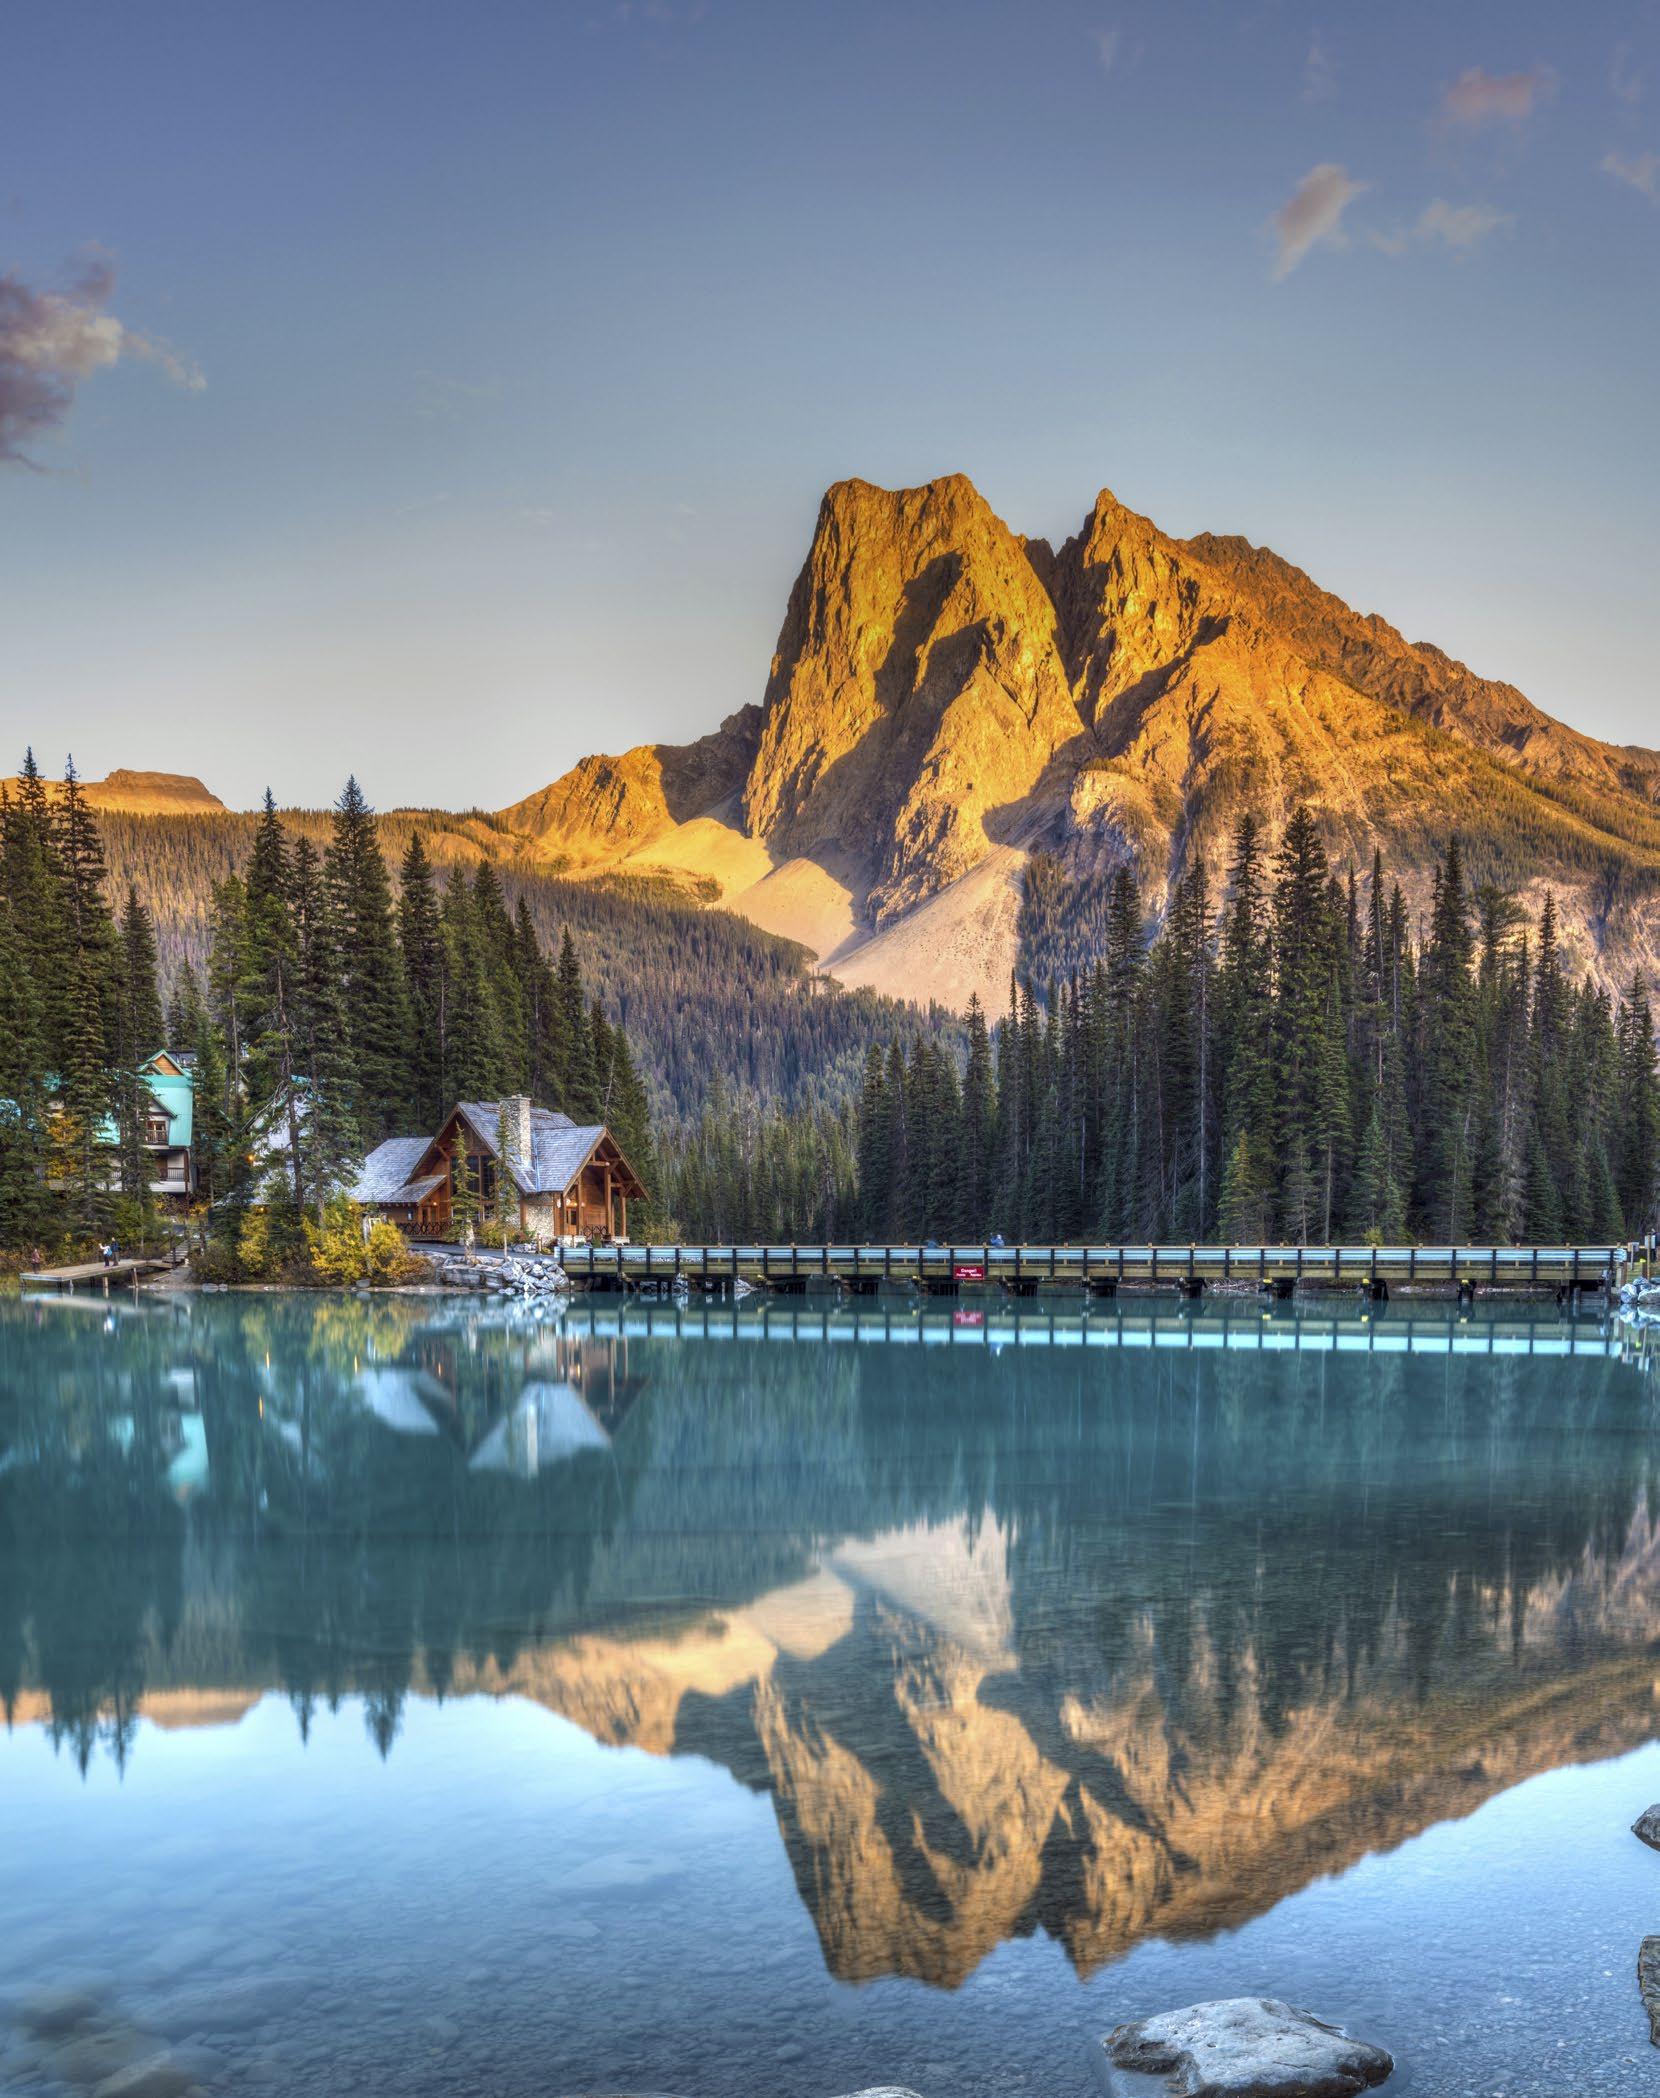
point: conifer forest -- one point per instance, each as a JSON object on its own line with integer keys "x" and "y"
{"x": 1286, "y": 1057}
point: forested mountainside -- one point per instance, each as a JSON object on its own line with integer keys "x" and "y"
{"x": 947, "y": 700}
{"x": 704, "y": 994}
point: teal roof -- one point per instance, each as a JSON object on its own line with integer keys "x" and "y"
{"x": 177, "y": 1096}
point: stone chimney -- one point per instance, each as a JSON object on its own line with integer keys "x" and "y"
{"x": 516, "y": 1143}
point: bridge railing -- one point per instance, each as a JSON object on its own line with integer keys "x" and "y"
{"x": 1099, "y": 1263}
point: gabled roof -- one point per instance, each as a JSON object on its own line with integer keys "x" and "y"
{"x": 552, "y": 1137}
{"x": 562, "y": 1153}
{"x": 414, "y": 1191}
{"x": 388, "y": 1167}
{"x": 175, "y": 1095}
{"x": 559, "y": 1151}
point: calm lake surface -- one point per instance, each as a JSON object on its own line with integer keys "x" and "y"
{"x": 410, "y": 1697}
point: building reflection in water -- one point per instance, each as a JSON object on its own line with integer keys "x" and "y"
{"x": 1105, "y": 1626}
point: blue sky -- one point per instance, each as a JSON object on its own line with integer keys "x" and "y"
{"x": 442, "y": 392}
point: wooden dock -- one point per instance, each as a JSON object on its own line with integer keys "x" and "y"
{"x": 97, "y": 1271}
{"x": 1100, "y": 1270}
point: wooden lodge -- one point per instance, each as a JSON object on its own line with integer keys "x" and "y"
{"x": 570, "y": 1180}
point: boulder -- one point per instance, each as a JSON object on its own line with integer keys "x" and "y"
{"x": 1648, "y": 1984}
{"x": 50, "y": 2013}
{"x": 1246, "y": 2047}
{"x": 1646, "y": 1828}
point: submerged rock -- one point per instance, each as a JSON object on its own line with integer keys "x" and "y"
{"x": 1647, "y": 1827}
{"x": 156, "y": 2076}
{"x": 1648, "y": 1984}
{"x": 1246, "y": 2047}
{"x": 50, "y": 2013}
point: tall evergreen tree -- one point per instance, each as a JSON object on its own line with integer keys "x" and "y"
{"x": 372, "y": 979}
{"x": 421, "y": 943}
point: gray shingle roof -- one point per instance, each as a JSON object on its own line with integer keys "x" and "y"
{"x": 387, "y": 1167}
{"x": 559, "y": 1151}
{"x": 551, "y": 1135}
{"x": 417, "y": 1190}
{"x": 562, "y": 1153}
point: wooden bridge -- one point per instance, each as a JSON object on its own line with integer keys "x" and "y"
{"x": 1100, "y": 1270}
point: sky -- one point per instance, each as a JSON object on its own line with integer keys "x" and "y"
{"x": 443, "y": 392}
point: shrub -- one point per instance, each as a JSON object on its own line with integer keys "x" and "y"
{"x": 342, "y": 1252}
{"x": 387, "y": 1256}
{"x": 253, "y": 1246}
{"x": 215, "y": 1263}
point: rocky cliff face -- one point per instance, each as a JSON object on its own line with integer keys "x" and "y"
{"x": 918, "y": 693}
{"x": 947, "y": 697}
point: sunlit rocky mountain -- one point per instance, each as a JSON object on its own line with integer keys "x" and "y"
{"x": 948, "y": 699}
{"x": 951, "y": 706}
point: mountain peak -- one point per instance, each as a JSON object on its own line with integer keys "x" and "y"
{"x": 946, "y": 698}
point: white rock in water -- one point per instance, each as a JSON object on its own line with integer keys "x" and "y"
{"x": 1246, "y": 2047}
{"x": 158, "y": 2076}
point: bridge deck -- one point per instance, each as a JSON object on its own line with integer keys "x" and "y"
{"x": 1103, "y": 1267}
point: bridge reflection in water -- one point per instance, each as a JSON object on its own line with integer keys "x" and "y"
{"x": 1425, "y": 1330}
{"x": 1105, "y": 1625}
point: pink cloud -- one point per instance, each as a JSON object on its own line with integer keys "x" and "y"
{"x": 51, "y": 340}
{"x": 1478, "y": 97}
{"x": 1313, "y": 213}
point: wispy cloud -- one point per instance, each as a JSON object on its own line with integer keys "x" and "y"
{"x": 1313, "y": 213}
{"x": 1458, "y": 227}
{"x": 51, "y": 340}
{"x": 1638, "y": 171}
{"x": 1478, "y": 98}
{"x": 1107, "y": 43}
{"x": 658, "y": 14}
{"x": 1319, "y": 72}
{"x": 1624, "y": 80}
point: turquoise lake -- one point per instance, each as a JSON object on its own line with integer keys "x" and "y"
{"x": 410, "y": 1696}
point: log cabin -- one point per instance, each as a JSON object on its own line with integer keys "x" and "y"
{"x": 569, "y": 1179}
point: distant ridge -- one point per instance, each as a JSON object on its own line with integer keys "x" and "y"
{"x": 142, "y": 794}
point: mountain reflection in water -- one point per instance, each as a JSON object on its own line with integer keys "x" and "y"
{"x": 1109, "y": 1626}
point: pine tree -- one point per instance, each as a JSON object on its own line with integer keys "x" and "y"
{"x": 333, "y": 1145}
{"x": 372, "y": 979}
{"x": 972, "y": 1205}
{"x": 475, "y": 1067}
{"x": 22, "y": 1101}
{"x": 1245, "y": 1030}
{"x": 465, "y": 1176}
{"x": 1446, "y": 1059}
{"x": 1637, "y": 1112}
{"x": 421, "y": 944}
{"x": 138, "y": 1035}
{"x": 875, "y": 1165}
{"x": 575, "y": 1038}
